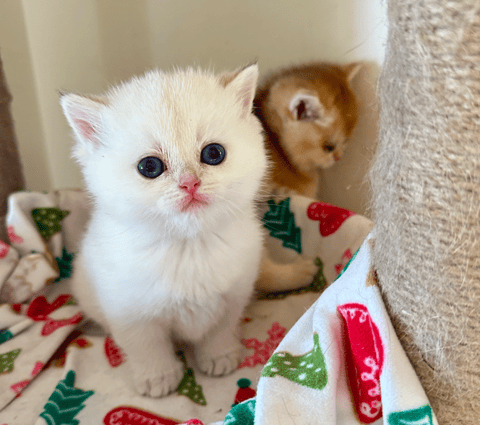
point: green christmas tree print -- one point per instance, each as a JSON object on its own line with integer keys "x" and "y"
{"x": 308, "y": 370}
{"x": 7, "y": 359}
{"x": 5, "y": 335}
{"x": 48, "y": 220}
{"x": 65, "y": 402}
{"x": 319, "y": 281}
{"x": 420, "y": 416}
{"x": 188, "y": 385}
{"x": 280, "y": 221}
{"x": 241, "y": 414}
{"x": 65, "y": 264}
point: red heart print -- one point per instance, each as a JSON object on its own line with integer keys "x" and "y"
{"x": 329, "y": 216}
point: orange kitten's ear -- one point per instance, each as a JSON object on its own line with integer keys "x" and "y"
{"x": 352, "y": 69}
{"x": 84, "y": 116}
{"x": 244, "y": 83}
{"x": 305, "y": 107}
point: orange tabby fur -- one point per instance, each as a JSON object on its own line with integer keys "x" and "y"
{"x": 308, "y": 112}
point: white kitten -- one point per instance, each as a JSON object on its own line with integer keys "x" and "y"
{"x": 174, "y": 163}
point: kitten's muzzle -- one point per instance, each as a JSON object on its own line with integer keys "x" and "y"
{"x": 189, "y": 183}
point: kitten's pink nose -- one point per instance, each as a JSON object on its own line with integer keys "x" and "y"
{"x": 189, "y": 183}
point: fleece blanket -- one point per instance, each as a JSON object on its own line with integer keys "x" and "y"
{"x": 57, "y": 369}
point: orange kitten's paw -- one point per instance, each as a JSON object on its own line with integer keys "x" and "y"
{"x": 152, "y": 381}
{"x": 218, "y": 365}
{"x": 282, "y": 192}
{"x": 303, "y": 272}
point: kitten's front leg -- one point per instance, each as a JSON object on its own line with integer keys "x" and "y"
{"x": 277, "y": 277}
{"x": 220, "y": 352}
{"x": 156, "y": 369}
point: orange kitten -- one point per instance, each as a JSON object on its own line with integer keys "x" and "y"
{"x": 308, "y": 112}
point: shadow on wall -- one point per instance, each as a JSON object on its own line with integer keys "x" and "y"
{"x": 346, "y": 183}
{"x": 11, "y": 178}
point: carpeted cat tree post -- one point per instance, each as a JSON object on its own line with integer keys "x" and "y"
{"x": 426, "y": 197}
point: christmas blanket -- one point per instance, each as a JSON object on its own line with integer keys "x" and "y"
{"x": 56, "y": 369}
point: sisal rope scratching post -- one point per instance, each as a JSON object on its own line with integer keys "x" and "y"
{"x": 426, "y": 197}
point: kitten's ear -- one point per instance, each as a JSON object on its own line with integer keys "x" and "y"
{"x": 84, "y": 116}
{"x": 352, "y": 69}
{"x": 244, "y": 83}
{"x": 305, "y": 107}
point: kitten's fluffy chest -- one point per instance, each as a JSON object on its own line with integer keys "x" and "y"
{"x": 156, "y": 279}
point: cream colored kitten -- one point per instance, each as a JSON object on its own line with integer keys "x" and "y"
{"x": 174, "y": 163}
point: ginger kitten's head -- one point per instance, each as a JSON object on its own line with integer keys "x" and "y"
{"x": 311, "y": 110}
{"x": 179, "y": 150}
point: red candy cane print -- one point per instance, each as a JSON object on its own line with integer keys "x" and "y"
{"x": 365, "y": 356}
{"x": 126, "y": 415}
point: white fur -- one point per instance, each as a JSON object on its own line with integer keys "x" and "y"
{"x": 146, "y": 271}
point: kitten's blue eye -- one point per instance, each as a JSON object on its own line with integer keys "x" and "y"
{"x": 213, "y": 154}
{"x": 151, "y": 167}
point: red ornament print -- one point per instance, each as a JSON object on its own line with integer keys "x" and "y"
{"x": 329, "y": 216}
{"x": 365, "y": 356}
{"x": 244, "y": 392}
{"x": 17, "y": 308}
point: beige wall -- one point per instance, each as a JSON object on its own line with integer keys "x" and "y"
{"x": 87, "y": 45}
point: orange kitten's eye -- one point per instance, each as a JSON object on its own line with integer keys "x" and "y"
{"x": 328, "y": 147}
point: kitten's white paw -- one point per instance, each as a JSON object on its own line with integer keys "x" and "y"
{"x": 303, "y": 272}
{"x": 157, "y": 381}
{"x": 215, "y": 364}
